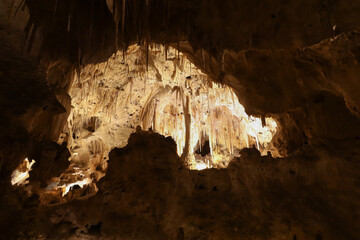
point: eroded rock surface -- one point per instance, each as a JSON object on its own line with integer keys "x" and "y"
{"x": 148, "y": 194}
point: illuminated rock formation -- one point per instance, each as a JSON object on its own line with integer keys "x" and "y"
{"x": 110, "y": 99}
{"x": 22, "y": 172}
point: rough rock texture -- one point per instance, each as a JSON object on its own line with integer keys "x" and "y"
{"x": 52, "y": 161}
{"x": 296, "y": 61}
{"x": 152, "y": 88}
{"x": 148, "y": 194}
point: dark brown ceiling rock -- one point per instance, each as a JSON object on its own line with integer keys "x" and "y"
{"x": 86, "y": 31}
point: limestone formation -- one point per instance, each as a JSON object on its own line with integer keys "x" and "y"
{"x": 179, "y": 119}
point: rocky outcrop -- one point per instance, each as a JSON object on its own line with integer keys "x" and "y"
{"x": 148, "y": 194}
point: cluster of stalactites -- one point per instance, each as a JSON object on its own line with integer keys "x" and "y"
{"x": 216, "y": 116}
{"x": 170, "y": 96}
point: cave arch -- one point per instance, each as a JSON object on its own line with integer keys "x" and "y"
{"x": 158, "y": 89}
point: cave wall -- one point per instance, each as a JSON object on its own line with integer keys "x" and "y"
{"x": 301, "y": 56}
{"x": 30, "y": 113}
{"x": 284, "y": 59}
{"x": 148, "y": 194}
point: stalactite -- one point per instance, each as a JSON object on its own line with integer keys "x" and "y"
{"x": 91, "y": 22}
{"x": 131, "y": 86}
{"x": 203, "y": 58}
{"x": 166, "y": 51}
{"x": 178, "y": 48}
{"x": 18, "y": 7}
{"x": 114, "y": 8}
{"x": 68, "y": 23}
{"x": 79, "y": 52}
{"x": 147, "y": 53}
{"x": 210, "y": 58}
{"x": 116, "y": 19}
{"x": 188, "y": 25}
{"x": 31, "y": 39}
{"x": 187, "y": 119}
{"x": 138, "y": 23}
{"x": 223, "y": 60}
{"x": 116, "y": 35}
{"x": 123, "y": 22}
{"x": 28, "y": 30}
{"x": 154, "y": 116}
{"x": 9, "y": 16}
{"x": 55, "y": 8}
{"x": 247, "y": 140}
{"x": 233, "y": 100}
{"x": 200, "y": 140}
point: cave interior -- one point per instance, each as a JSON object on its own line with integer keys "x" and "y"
{"x": 180, "y": 119}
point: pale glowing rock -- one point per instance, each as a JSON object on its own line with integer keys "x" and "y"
{"x": 21, "y": 173}
{"x": 110, "y": 99}
{"x": 67, "y": 187}
{"x": 200, "y": 166}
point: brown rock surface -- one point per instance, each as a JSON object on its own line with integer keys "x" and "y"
{"x": 148, "y": 194}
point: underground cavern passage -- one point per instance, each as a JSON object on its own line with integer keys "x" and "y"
{"x": 110, "y": 98}
{"x": 164, "y": 119}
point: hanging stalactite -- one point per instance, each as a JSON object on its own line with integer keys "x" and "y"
{"x": 123, "y": 23}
